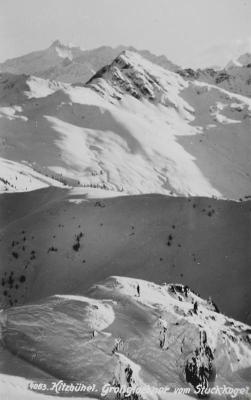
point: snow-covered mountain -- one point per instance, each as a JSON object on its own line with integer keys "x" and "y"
{"x": 61, "y": 239}
{"x": 134, "y": 127}
{"x": 111, "y": 187}
{"x": 56, "y": 244}
{"x": 38, "y": 61}
{"x": 71, "y": 64}
{"x": 239, "y": 75}
{"x": 235, "y": 77}
{"x": 146, "y": 335}
{"x": 82, "y": 267}
{"x": 243, "y": 61}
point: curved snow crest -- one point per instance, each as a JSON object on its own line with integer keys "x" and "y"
{"x": 152, "y": 294}
{"x": 177, "y": 302}
{"x": 99, "y": 314}
{"x": 144, "y": 334}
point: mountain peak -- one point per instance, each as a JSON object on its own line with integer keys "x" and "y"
{"x": 64, "y": 51}
{"x": 243, "y": 60}
{"x": 58, "y": 43}
{"x": 126, "y": 74}
{"x": 56, "y": 62}
{"x": 132, "y": 74}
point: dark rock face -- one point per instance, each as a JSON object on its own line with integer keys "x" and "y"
{"x": 188, "y": 73}
{"x": 200, "y": 371}
{"x": 222, "y": 76}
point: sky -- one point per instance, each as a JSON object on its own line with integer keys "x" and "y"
{"x": 188, "y": 32}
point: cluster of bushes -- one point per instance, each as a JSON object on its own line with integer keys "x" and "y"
{"x": 76, "y": 245}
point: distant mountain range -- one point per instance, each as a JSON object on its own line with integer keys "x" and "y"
{"x": 120, "y": 171}
{"x": 133, "y": 127}
{"x": 72, "y": 64}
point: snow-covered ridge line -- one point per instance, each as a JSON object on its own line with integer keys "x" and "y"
{"x": 235, "y": 77}
{"x": 131, "y": 325}
{"x": 132, "y": 74}
{"x": 134, "y": 128}
{"x": 72, "y": 64}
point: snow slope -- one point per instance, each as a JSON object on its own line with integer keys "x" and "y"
{"x": 54, "y": 241}
{"x": 134, "y": 128}
{"x": 142, "y": 340}
{"x": 17, "y": 177}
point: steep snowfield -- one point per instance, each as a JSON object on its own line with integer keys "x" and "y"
{"x": 17, "y": 177}
{"x": 128, "y": 340}
{"x": 134, "y": 128}
{"x": 54, "y": 241}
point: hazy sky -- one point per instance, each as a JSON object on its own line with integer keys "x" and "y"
{"x": 187, "y": 31}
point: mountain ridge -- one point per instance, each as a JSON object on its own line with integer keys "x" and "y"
{"x": 117, "y": 212}
{"x": 234, "y": 77}
{"x": 71, "y": 64}
{"x": 147, "y": 114}
{"x": 170, "y": 338}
